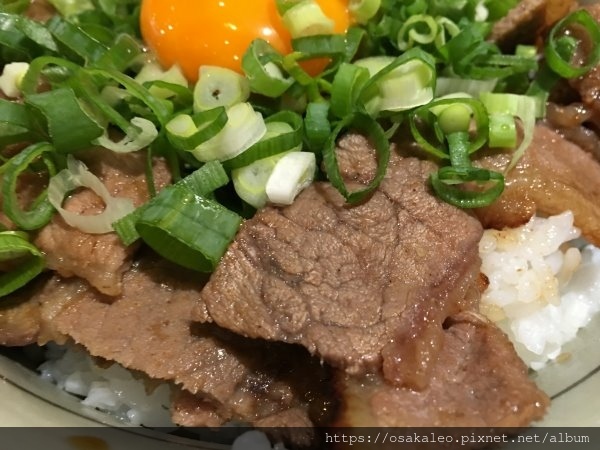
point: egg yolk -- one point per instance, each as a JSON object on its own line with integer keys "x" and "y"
{"x": 218, "y": 32}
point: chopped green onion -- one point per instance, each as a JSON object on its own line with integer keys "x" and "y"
{"x": 42, "y": 211}
{"x": 218, "y": 86}
{"x": 291, "y": 174}
{"x": 261, "y": 64}
{"x": 430, "y": 114}
{"x": 161, "y": 108}
{"x": 68, "y": 124}
{"x": 76, "y": 39}
{"x": 250, "y": 181}
{"x": 316, "y": 125}
{"x": 29, "y": 261}
{"x": 370, "y": 128}
{"x": 15, "y": 123}
{"x": 187, "y": 132}
{"x": 503, "y": 131}
{"x": 347, "y": 88}
{"x": 453, "y": 85}
{"x": 11, "y": 78}
{"x": 244, "y": 128}
{"x": 201, "y": 182}
{"x": 522, "y": 107}
{"x": 77, "y": 175}
{"x": 283, "y": 133}
{"x": 444, "y": 183}
{"x": 305, "y": 18}
{"x": 413, "y": 28}
{"x": 139, "y": 135}
{"x": 68, "y": 8}
{"x": 556, "y": 60}
{"x": 363, "y": 10}
{"x": 152, "y": 72}
{"x": 28, "y": 37}
{"x": 188, "y": 229}
{"x": 404, "y": 83}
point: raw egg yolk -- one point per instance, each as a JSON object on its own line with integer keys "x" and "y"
{"x": 218, "y": 32}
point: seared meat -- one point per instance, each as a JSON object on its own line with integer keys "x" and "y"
{"x": 20, "y": 316}
{"x": 478, "y": 381}
{"x": 553, "y": 175}
{"x": 40, "y": 10}
{"x": 527, "y": 21}
{"x": 148, "y": 328}
{"x": 100, "y": 259}
{"x": 520, "y": 25}
{"x": 347, "y": 281}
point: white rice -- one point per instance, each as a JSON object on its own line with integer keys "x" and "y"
{"x": 543, "y": 288}
{"x": 113, "y": 390}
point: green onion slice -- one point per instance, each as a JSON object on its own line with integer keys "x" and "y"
{"x": 41, "y": 211}
{"x": 277, "y": 139}
{"x": 430, "y": 114}
{"x": 187, "y": 132}
{"x": 317, "y": 126}
{"x": 554, "y": 57}
{"x": 347, "y": 89}
{"x": 446, "y": 181}
{"x": 262, "y": 65}
{"x": 201, "y": 182}
{"x": 76, "y": 39}
{"x": 77, "y": 175}
{"x": 363, "y": 10}
{"x": 69, "y": 126}
{"x": 161, "y": 108}
{"x": 404, "y": 83}
{"x": 370, "y": 128}
{"x": 29, "y": 261}
{"x": 15, "y": 123}
{"x": 244, "y": 128}
{"x": 304, "y": 18}
{"x": 188, "y": 229}
{"x": 522, "y": 107}
{"x": 219, "y": 86}
{"x": 26, "y": 36}
{"x": 139, "y": 135}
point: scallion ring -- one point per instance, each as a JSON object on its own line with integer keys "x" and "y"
{"x": 26, "y": 261}
{"x": 41, "y": 210}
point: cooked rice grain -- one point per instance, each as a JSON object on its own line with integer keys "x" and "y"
{"x": 542, "y": 287}
{"x": 112, "y": 389}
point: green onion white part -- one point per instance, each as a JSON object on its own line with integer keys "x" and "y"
{"x": 306, "y": 18}
{"x": 292, "y": 173}
{"x": 153, "y": 72}
{"x": 77, "y": 175}
{"x": 244, "y": 128}
{"x": 140, "y": 134}
{"x": 12, "y": 75}
{"x": 218, "y": 86}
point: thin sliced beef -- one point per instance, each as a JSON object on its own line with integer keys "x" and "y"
{"x": 554, "y": 175}
{"x": 478, "y": 381}
{"x": 27, "y": 315}
{"x": 148, "y": 328}
{"x": 528, "y": 21}
{"x": 20, "y": 319}
{"x": 347, "y": 281}
{"x": 100, "y": 259}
